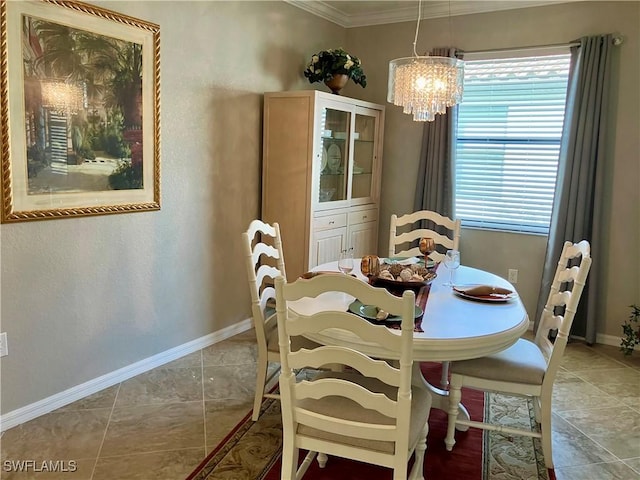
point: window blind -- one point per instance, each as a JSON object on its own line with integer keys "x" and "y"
{"x": 508, "y": 142}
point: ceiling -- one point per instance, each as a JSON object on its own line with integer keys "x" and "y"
{"x": 360, "y": 13}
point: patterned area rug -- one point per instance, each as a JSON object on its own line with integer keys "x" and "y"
{"x": 252, "y": 450}
{"x": 248, "y": 452}
{"x": 512, "y": 457}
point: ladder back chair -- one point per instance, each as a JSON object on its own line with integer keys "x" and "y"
{"x": 528, "y": 368}
{"x": 264, "y": 262}
{"x": 402, "y": 244}
{"x": 368, "y": 411}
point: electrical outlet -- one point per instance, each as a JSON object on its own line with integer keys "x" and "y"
{"x": 513, "y": 276}
{"x": 4, "y": 348}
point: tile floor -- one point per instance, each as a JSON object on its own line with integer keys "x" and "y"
{"x": 161, "y": 424}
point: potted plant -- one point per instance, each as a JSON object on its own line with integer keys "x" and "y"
{"x": 631, "y": 331}
{"x": 335, "y": 67}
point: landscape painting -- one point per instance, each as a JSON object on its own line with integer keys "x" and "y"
{"x": 89, "y": 112}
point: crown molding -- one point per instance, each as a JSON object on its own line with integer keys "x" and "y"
{"x": 436, "y": 9}
{"x": 322, "y": 10}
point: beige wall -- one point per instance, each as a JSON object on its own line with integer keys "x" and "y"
{"x": 620, "y": 280}
{"x": 84, "y": 297}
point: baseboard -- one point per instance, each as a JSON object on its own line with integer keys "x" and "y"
{"x": 46, "y": 405}
{"x": 601, "y": 338}
{"x": 608, "y": 340}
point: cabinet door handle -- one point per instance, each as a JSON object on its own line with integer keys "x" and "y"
{"x": 364, "y": 217}
{"x": 331, "y": 222}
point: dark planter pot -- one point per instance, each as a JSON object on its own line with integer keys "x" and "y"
{"x": 337, "y": 82}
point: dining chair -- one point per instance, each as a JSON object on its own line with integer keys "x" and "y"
{"x": 528, "y": 368}
{"x": 444, "y": 231}
{"x": 265, "y": 262}
{"x": 402, "y": 244}
{"x": 367, "y": 411}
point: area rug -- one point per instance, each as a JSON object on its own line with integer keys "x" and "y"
{"x": 252, "y": 450}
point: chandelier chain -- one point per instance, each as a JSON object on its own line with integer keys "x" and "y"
{"x": 415, "y": 38}
{"x": 450, "y": 27}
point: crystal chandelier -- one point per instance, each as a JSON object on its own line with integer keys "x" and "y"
{"x": 425, "y": 85}
{"x": 63, "y": 97}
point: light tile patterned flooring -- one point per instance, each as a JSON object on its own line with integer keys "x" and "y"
{"x": 161, "y": 424}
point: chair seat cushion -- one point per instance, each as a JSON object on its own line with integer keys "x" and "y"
{"x": 523, "y": 362}
{"x": 337, "y": 406}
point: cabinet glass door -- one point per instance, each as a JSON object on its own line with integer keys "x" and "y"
{"x": 364, "y": 154}
{"x": 334, "y": 169}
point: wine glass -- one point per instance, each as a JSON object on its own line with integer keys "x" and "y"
{"x": 451, "y": 261}
{"x": 427, "y": 245}
{"x": 345, "y": 263}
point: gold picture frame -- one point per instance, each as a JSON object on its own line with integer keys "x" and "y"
{"x": 80, "y": 111}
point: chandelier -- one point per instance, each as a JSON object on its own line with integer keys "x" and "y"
{"x": 425, "y": 85}
{"x": 63, "y": 97}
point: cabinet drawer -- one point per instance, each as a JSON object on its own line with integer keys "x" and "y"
{"x": 330, "y": 221}
{"x": 363, "y": 216}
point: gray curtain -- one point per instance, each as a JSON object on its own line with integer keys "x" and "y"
{"x": 434, "y": 187}
{"x": 577, "y": 204}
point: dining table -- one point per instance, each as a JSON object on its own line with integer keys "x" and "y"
{"x": 453, "y": 327}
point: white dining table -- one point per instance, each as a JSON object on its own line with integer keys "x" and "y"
{"x": 454, "y": 328}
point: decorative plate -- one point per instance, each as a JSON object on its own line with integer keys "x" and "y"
{"x": 500, "y": 296}
{"x": 401, "y": 260}
{"x": 334, "y": 160}
{"x": 324, "y": 160}
{"x": 370, "y": 311}
{"x": 408, "y": 261}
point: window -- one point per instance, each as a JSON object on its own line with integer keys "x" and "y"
{"x": 508, "y": 141}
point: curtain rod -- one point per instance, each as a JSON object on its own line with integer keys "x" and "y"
{"x": 617, "y": 40}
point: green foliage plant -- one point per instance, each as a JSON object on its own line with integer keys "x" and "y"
{"x": 631, "y": 331}
{"x": 126, "y": 176}
{"x": 327, "y": 63}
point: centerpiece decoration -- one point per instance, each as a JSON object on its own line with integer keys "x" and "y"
{"x": 335, "y": 67}
{"x": 395, "y": 276}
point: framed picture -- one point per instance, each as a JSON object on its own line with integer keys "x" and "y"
{"x": 80, "y": 111}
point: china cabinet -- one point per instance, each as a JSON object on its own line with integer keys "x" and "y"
{"x": 322, "y": 161}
